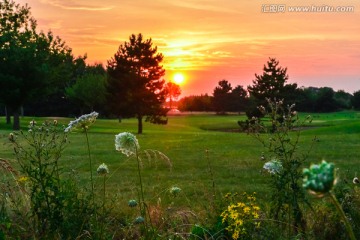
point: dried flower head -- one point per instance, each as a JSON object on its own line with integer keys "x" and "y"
{"x": 102, "y": 169}
{"x": 273, "y": 167}
{"x": 126, "y": 143}
{"x": 356, "y": 180}
{"x": 319, "y": 179}
{"x": 139, "y": 220}
{"x": 83, "y": 122}
{"x": 175, "y": 191}
{"x": 132, "y": 203}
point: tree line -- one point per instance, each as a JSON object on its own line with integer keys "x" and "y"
{"x": 272, "y": 84}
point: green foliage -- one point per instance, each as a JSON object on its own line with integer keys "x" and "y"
{"x": 57, "y": 207}
{"x": 88, "y": 91}
{"x": 284, "y": 161}
{"x": 26, "y": 57}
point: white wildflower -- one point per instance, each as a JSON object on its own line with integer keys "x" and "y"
{"x": 83, "y": 122}
{"x": 356, "y": 180}
{"x": 273, "y": 166}
{"x": 126, "y": 143}
{"x": 102, "y": 169}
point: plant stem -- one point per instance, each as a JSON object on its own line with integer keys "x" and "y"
{"x": 91, "y": 175}
{"x": 103, "y": 210}
{"x": 141, "y": 186}
{"x": 343, "y": 216}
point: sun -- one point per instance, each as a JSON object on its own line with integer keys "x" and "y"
{"x": 179, "y": 78}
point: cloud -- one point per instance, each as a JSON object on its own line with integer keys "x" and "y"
{"x": 71, "y": 5}
{"x": 210, "y": 6}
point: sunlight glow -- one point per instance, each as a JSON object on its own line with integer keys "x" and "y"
{"x": 179, "y": 78}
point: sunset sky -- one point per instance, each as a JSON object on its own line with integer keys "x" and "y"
{"x": 211, "y": 40}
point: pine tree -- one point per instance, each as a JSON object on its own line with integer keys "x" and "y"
{"x": 135, "y": 85}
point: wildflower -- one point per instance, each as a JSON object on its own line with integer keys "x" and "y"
{"x": 139, "y": 220}
{"x": 23, "y": 179}
{"x": 319, "y": 178}
{"x": 356, "y": 180}
{"x": 262, "y": 109}
{"x": 103, "y": 169}
{"x": 175, "y": 191}
{"x": 132, "y": 203}
{"x": 273, "y": 166}
{"x": 83, "y": 122}
{"x": 11, "y": 137}
{"x": 55, "y": 122}
{"x": 126, "y": 143}
{"x": 32, "y": 123}
{"x": 239, "y": 217}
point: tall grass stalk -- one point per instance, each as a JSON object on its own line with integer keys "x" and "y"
{"x": 343, "y": 216}
{"x": 91, "y": 174}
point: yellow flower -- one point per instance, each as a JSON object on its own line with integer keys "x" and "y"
{"x": 246, "y": 210}
{"x": 239, "y": 222}
{"x": 23, "y": 179}
{"x": 235, "y": 235}
{"x": 256, "y": 208}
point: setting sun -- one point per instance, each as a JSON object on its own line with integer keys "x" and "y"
{"x": 179, "y": 78}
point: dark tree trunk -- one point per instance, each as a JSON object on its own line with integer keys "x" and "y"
{"x": 140, "y": 126}
{"x": 8, "y": 115}
{"x": 16, "y": 125}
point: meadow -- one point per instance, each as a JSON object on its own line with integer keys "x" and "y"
{"x": 207, "y": 157}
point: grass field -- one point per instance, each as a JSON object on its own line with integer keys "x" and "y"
{"x": 198, "y": 145}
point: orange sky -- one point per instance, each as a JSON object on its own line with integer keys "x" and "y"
{"x": 211, "y": 40}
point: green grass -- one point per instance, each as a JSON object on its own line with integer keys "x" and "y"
{"x": 234, "y": 156}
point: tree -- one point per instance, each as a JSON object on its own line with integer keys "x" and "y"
{"x": 26, "y": 58}
{"x": 202, "y": 103}
{"x": 221, "y": 95}
{"x": 226, "y": 98}
{"x": 173, "y": 92}
{"x": 89, "y": 89}
{"x": 239, "y": 99}
{"x": 135, "y": 85}
{"x": 343, "y": 99}
{"x": 355, "y": 100}
{"x": 325, "y": 101}
{"x": 271, "y": 84}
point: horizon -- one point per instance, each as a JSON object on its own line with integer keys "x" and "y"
{"x": 209, "y": 41}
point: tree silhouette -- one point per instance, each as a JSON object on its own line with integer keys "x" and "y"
{"x": 135, "y": 85}
{"x": 173, "y": 91}
{"x": 271, "y": 84}
{"x": 227, "y": 98}
{"x": 26, "y": 57}
{"x": 355, "y": 100}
